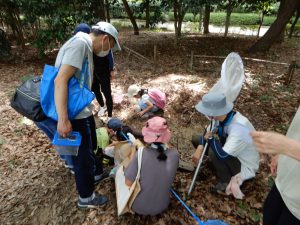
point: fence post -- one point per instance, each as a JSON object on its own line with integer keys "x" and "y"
{"x": 290, "y": 73}
{"x": 192, "y": 60}
{"x": 155, "y": 54}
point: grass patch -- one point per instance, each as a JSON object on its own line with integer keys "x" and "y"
{"x": 255, "y": 217}
{"x": 266, "y": 98}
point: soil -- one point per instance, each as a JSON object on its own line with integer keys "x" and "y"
{"x": 36, "y": 188}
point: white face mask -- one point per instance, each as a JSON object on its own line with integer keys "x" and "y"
{"x": 104, "y": 53}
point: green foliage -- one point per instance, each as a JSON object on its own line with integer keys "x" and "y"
{"x": 218, "y": 18}
{"x": 48, "y": 23}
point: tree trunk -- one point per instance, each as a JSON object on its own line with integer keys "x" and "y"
{"x": 147, "y": 9}
{"x": 131, "y": 17}
{"x": 227, "y": 21}
{"x": 284, "y": 15}
{"x": 200, "y": 18}
{"x": 107, "y": 11}
{"x": 294, "y": 23}
{"x": 260, "y": 23}
{"x": 178, "y": 17}
{"x": 180, "y": 25}
{"x": 206, "y": 18}
{"x": 101, "y": 10}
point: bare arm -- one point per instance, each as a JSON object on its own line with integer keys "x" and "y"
{"x": 128, "y": 182}
{"x": 149, "y": 107}
{"x": 197, "y": 154}
{"x": 275, "y": 143}
{"x": 64, "y": 126}
{"x": 131, "y": 156}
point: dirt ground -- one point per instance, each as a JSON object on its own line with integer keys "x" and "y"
{"x": 36, "y": 188}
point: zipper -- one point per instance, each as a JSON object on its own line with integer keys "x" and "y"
{"x": 26, "y": 95}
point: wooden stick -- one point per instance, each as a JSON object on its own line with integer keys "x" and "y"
{"x": 138, "y": 55}
{"x": 192, "y": 60}
{"x": 290, "y": 73}
{"x": 155, "y": 54}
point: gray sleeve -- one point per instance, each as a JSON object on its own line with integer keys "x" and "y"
{"x": 131, "y": 170}
{"x": 176, "y": 156}
{"x": 75, "y": 53}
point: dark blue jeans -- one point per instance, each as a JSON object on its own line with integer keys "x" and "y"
{"x": 49, "y": 127}
{"x": 86, "y": 162}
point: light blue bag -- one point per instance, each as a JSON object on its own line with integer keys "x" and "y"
{"x": 79, "y": 96}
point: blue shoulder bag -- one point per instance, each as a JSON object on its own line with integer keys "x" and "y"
{"x": 79, "y": 96}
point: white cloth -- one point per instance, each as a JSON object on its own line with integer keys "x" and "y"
{"x": 288, "y": 181}
{"x": 234, "y": 187}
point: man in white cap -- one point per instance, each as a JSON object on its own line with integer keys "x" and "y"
{"x": 231, "y": 150}
{"x": 73, "y": 56}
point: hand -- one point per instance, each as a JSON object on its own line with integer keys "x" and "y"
{"x": 197, "y": 154}
{"x": 269, "y": 142}
{"x": 64, "y": 127}
{"x": 112, "y": 74}
{"x": 141, "y": 113}
{"x": 208, "y": 135}
{"x": 273, "y": 165}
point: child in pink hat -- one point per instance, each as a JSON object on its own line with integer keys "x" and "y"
{"x": 158, "y": 169}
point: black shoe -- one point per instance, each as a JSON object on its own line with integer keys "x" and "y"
{"x": 97, "y": 201}
{"x": 220, "y": 188}
{"x": 101, "y": 177}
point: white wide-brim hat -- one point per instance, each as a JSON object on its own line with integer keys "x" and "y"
{"x": 214, "y": 104}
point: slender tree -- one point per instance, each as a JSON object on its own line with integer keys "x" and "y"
{"x": 206, "y": 18}
{"x": 294, "y": 23}
{"x": 131, "y": 17}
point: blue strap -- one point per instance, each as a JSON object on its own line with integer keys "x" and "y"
{"x": 126, "y": 138}
{"x": 83, "y": 78}
{"x": 220, "y": 132}
{"x": 217, "y": 148}
{"x": 186, "y": 207}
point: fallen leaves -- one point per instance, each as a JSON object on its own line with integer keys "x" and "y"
{"x": 36, "y": 189}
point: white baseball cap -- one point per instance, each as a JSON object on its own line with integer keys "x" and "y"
{"x": 111, "y": 30}
{"x": 133, "y": 90}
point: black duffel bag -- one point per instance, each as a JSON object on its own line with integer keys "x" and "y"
{"x": 26, "y": 100}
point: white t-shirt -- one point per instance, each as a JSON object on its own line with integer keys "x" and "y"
{"x": 73, "y": 53}
{"x": 239, "y": 144}
{"x": 288, "y": 171}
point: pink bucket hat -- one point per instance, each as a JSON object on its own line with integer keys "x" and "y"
{"x": 156, "y": 130}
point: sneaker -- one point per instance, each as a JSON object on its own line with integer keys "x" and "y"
{"x": 101, "y": 111}
{"x": 147, "y": 115}
{"x": 68, "y": 166}
{"x": 105, "y": 120}
{"x": 113, "y": 172}
{"x": 101, "y": 177}
{"x": 96, "y": 201}
{"x": 72, "y": 171}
